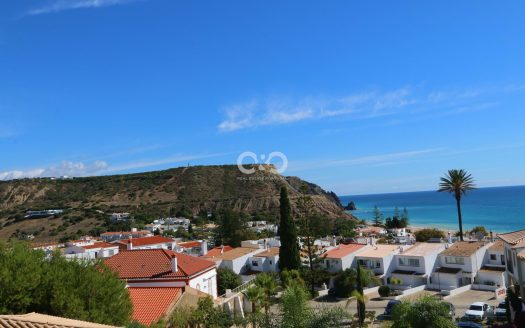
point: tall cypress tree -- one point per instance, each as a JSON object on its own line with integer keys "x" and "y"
{"x": 289, "y": 252}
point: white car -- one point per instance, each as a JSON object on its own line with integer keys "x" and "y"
{"x": 477, "y": 311}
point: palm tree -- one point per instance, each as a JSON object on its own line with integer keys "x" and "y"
{"x": 269, "y": 286}
{"x": 256, "y": 296}
{"x": 457, "y": 182}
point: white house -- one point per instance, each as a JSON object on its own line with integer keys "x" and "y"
{"x": 90, "y": 252}
{"x": 236, "y": 259}
{"x": 195, "y": 247}
{"x": 459, "y": 264}
{"x": 514, "y": 245}
{"x": 261, "y": 243}
{"x": 378, "y": 258}
{"x": 164, "y": 268}
{"x": 342, "y": 256}
{"x": 267, "y": 261}
{"x": 415, "y": 265}
{"x": 114, "y": 217}
{"x": 146, "y": 243}
{"x": 119, "y": 235}
{"x": 261, "y": 226}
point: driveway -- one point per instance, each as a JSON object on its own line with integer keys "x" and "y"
{"x": 463, "y": 300}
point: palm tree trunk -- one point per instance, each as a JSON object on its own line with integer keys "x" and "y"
{"x": 460, "y": 220}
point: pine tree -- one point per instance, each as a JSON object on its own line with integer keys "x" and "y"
{"x": 378, "y": 217}
{"x": 289, "y": 251}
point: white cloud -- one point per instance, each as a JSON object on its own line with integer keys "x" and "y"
{"x": 61, "y": 5}
{"x": 81, "y": 169}
{"x": 406, "y": 103}
{"x": 373, "y": 160}
{"x": 284, "y": 111}
{"x": 66, "y": 168}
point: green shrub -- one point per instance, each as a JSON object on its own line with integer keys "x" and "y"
{"x": 384, "y": 291}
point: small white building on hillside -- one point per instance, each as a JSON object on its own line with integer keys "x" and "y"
{"x": 267, "y": 261}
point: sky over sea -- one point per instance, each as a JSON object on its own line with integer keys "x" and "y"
{"x": 361, "y": 97}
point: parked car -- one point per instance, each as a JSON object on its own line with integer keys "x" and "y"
{"x": 501, "y": 311}
{"x": 390, "y": 308}
{"x": 477, "y": 311}
{"x": 467, "y": 324}
{"x": 451, "y": 310}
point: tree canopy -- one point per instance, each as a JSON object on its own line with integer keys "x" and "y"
{"x": 81, "y": 290}
{"x": 289, "y": 251}
{"x": 425, "y": 312}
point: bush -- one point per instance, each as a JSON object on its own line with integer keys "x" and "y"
{"x": 424, "y": 235}
{"x": 226, "y": 279}
{"x": 384, "y": 291}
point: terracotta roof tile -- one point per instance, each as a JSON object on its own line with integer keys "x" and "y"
{"x": 463, "y": 248}
{"x": 271, "y": 252}
{"x": 513, "y": 237}
{"x": 152, "y": 303}
{"x": 190, "y": 244}
{"x": 343, "y": 250}
{"x": 237, "y": 252}
{"x": 155, "y": 263}
{"x": 218, "y": 251}
{"x": 498, "y": 246}
{"x": 99, "y": 245}
{"x": 423, "y": 249}
{"x": 37, "y": 320}
{"x": 143, "y": 241}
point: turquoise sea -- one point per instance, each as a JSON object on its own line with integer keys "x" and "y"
{"x": 500, "y": 209}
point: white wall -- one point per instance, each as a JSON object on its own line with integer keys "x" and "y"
{"x": 206, "y": 283}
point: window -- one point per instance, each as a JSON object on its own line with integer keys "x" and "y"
{"x": 255, "y": 263}
{"x": 378, "y": 264}
{"x": 408, "y": 262}
{"x": 454, "y": 260}
{"x": 493, "y": 257}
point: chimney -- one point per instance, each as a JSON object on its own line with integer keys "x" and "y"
{"x": 491, "y": 237}
{"x": 174, "y": 267}
{"x": 204, "y": 247}
{"x": 130, "y": 244}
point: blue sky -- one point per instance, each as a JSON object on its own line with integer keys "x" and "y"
{"x": 361, "y": 97}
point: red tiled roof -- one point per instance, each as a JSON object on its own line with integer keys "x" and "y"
{"x": 155, "y": 263}
{"x": 343, "y": 250}
{"x": 99, "y": 245}
{"x": 146, "y": 241}
{"x": 190, "y": 244}
{"x": 152, "y": 303}
{"x": 218, "y": 251}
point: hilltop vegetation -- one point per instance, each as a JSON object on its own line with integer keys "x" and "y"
{"x": 191, "y": 190}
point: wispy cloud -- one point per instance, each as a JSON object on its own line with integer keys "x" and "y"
{"x": 62, "y": 5}
{"x": 282, "y": 111}
{"x": 81, "y": 169}
{"x": 373, "y": 160}
{"x": 405, "y": 103}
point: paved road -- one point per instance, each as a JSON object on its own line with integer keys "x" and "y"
{"x": 374, "y": 303}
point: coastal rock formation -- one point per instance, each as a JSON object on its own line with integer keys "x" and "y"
{"x": 350, "y": 206}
